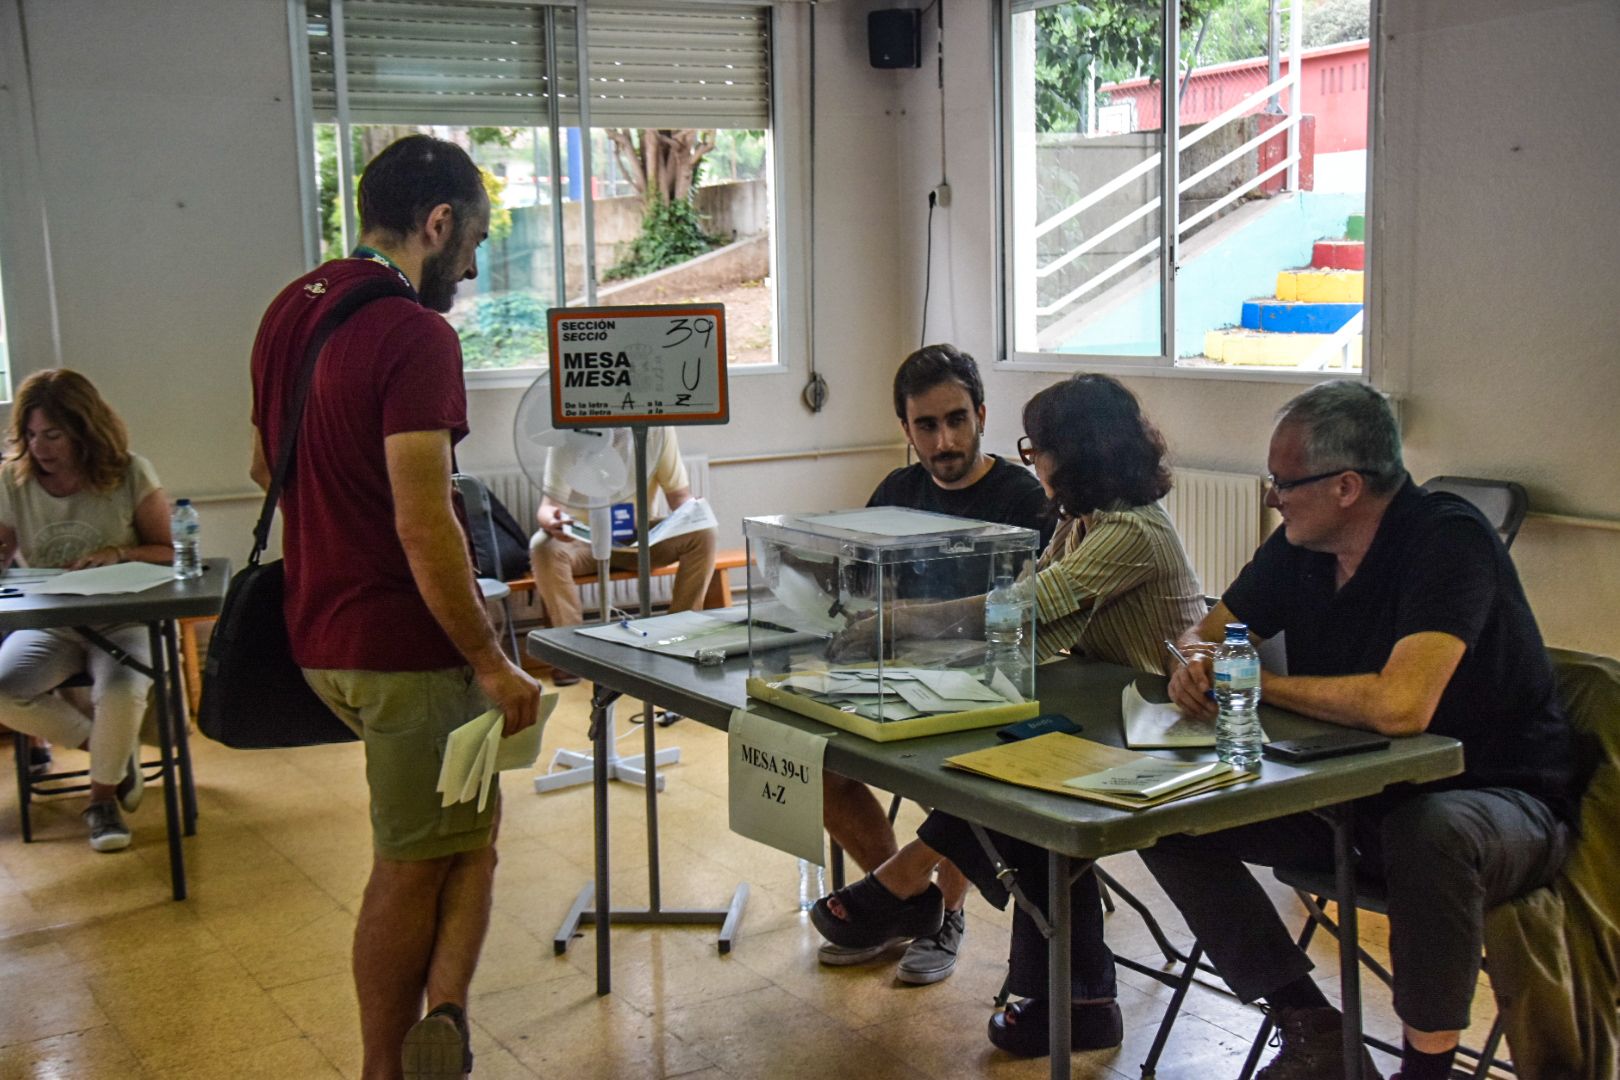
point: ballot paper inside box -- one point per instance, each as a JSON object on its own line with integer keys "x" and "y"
{"x": 873, "y": 620}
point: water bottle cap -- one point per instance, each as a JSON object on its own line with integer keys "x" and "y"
{"x": 182, "y": 502}
{"x": 1236, "y": 630}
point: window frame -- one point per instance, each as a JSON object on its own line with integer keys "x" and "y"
{"x": 789, "y": 227}
{"x": 1164, "y": 364}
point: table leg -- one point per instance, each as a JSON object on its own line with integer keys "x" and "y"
{"x": 1060, "y": 878}
{"x": 1344, "y": 866}
{"x": 171, "y": 797}
{"x": 601, "y": 742}
{"x": 182, "y": 733}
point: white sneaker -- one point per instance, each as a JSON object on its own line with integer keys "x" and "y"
{"x": 107, "y": 829}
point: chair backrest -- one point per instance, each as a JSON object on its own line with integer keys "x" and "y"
{"x": 1503, "y": 502}
{"x": 480, "y": 523}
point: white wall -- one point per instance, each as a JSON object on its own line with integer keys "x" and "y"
{"x": 1495, "y": 273}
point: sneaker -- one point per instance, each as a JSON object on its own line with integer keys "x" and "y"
{"x": 438, "y": 1046}
{"x": 133, "y": 785}
{"x": 931, "y": 959}
{"x": 107, "y": 829}
{"x": 561, "y": 677}
{"x": 848, "y": 955}
{"x": 39, "y": 759}
{"x": 1312, "y": 1042}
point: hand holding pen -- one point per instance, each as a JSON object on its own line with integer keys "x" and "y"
{"x": 1191, "y": 684}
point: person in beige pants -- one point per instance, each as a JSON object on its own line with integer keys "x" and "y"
{"x": 556, "y": 556}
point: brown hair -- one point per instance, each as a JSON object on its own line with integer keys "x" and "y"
{"x": 71, "y": 402}
{"x": 1104, "y": 450}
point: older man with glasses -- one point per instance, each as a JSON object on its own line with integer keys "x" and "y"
{"x": 1403, "y": 614}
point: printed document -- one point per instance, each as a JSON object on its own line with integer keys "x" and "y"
{"x": 476, "y": 751}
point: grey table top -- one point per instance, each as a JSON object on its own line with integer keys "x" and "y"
{"x": 172, "y": 600}
{"x": 1085, "y": 691}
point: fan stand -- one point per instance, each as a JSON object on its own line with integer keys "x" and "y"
{"x": 570, "y": 768}
{"x": 592, "y": 906}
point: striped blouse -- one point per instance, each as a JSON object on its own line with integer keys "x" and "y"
{"x": 1116, "y": 589}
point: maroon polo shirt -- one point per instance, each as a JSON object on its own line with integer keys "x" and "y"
{"x": 393, "y": 367}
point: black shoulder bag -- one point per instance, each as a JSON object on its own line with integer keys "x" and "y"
{"x": 253, "y": 695}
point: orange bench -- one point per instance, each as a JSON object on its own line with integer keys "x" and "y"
{"x": 717, "y": 596}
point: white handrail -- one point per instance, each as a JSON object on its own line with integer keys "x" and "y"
{"x": 1087, "y": 286}
{"x": 1338, "y": 343}
{"x": 1192, "y": 138}
{"x": 1129, "y": 219}
{"x": 1234, "y": 194}
{"x": 1097, "y": 195}
{"x": 1226, "y": 159}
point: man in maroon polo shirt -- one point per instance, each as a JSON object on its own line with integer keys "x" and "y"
{"x": 382, "y": 607}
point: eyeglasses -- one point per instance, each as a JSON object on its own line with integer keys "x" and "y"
{"x": 1281, "y": 486}
{"x": 1026, "y": 450}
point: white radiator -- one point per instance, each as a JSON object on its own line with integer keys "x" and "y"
{"x": 522, "y": 498}
{"x": 1219, "y": 518}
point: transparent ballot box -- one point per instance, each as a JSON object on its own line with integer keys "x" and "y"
{"x": 892, "y": 623}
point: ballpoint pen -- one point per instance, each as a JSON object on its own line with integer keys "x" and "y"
{"x": 624, "y": 624}
{"x": 1181, "y": 656}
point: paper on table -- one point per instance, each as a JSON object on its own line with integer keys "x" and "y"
{"x": 476, "y": 751}
{"x": 1004, "y": 686}
{"x": 959, "y": 685}
{"x": 128, "y": 577}
{"x": 1151, "y": 725}
{"x": 1150, "y": 778}
{"x": 892, "y": 521}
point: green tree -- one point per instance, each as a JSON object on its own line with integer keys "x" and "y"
{"x": 1329, "y": 22}
{"x": 1121, "y": 37}
{"x": 664, "y": 165}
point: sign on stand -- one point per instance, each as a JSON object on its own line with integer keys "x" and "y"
{"x": 775, "y": 784}
{"x": 653, "y": 364}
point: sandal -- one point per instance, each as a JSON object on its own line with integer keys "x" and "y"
{"x": 874, "y": 915}
{"x": 1024, "y": 1028}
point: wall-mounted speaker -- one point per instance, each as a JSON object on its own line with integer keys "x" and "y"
{"x": 894, "y": 38}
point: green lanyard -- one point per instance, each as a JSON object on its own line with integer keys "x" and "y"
{"x": 364, "y": 252}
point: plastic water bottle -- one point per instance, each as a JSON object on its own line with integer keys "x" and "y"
{"x": 1238, "y": 734}
{"x": 812, "y": 884}
{"x": 1005, "y": 613}
{"x": 186, "y": 532}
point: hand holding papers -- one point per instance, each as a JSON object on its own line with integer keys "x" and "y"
{"x": 475, "y": 752}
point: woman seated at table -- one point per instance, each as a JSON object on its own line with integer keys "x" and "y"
{"x": 72, "y": 496}
{"x": 1113, "y": 584}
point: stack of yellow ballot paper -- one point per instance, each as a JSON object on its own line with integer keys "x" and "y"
{"x": 1069, "y": 765}
{"x": 475, "y": 752}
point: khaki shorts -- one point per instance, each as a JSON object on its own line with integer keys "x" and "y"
{"x": 404, "y": 718}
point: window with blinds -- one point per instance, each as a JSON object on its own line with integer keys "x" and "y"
{"x": 478, "y": 62}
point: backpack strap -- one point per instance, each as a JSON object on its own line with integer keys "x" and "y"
{"x": 335, "y": 315}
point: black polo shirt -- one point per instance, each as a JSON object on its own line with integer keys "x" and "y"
{"x": 1007, "y": 494}
{"x": 1435, "y": 564}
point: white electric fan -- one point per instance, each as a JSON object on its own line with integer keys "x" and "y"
{"x": 595, "y": 463}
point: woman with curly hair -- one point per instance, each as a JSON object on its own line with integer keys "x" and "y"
{"x": 72, "y": 496}
{"x": 1112, "y": 585}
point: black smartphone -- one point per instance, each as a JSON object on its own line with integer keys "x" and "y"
{"x": 1044, "y": 724}
{"x": 1317, "y": 747}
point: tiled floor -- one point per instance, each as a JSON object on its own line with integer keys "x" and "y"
{"x": 101, "y": 975}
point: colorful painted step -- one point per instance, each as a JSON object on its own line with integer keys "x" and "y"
{"x": 1339, "y": 255}
{"x": 1252, "y": 348}
{"x": 1321, "y": 286}
{"x": 1291, "y": 317}
{"x": 1356, "y": 227}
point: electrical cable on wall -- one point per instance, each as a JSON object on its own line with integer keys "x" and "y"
{"x": 814, "y": 395}
{"x": 928, "y": 271}
{"x": 940, "y": 195}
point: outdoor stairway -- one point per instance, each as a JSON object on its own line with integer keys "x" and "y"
{"x": 1311, "y": 304}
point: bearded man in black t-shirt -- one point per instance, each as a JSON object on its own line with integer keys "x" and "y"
{"x": 1403, "y": 614}
{"x": 939, "y": 400}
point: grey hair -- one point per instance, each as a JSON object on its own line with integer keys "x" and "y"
{"x": 1349, "y": 425}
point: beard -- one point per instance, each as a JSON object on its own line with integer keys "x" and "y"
{"x": 439, "y": 280}
{"x": 950, "y": 467}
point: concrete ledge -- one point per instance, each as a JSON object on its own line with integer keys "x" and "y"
{"x": 748, "y": 259}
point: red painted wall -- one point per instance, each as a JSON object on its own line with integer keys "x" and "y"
{"x": 1335, "y": 92}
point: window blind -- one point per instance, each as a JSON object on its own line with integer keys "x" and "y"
{"x": 466, "y": 62}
